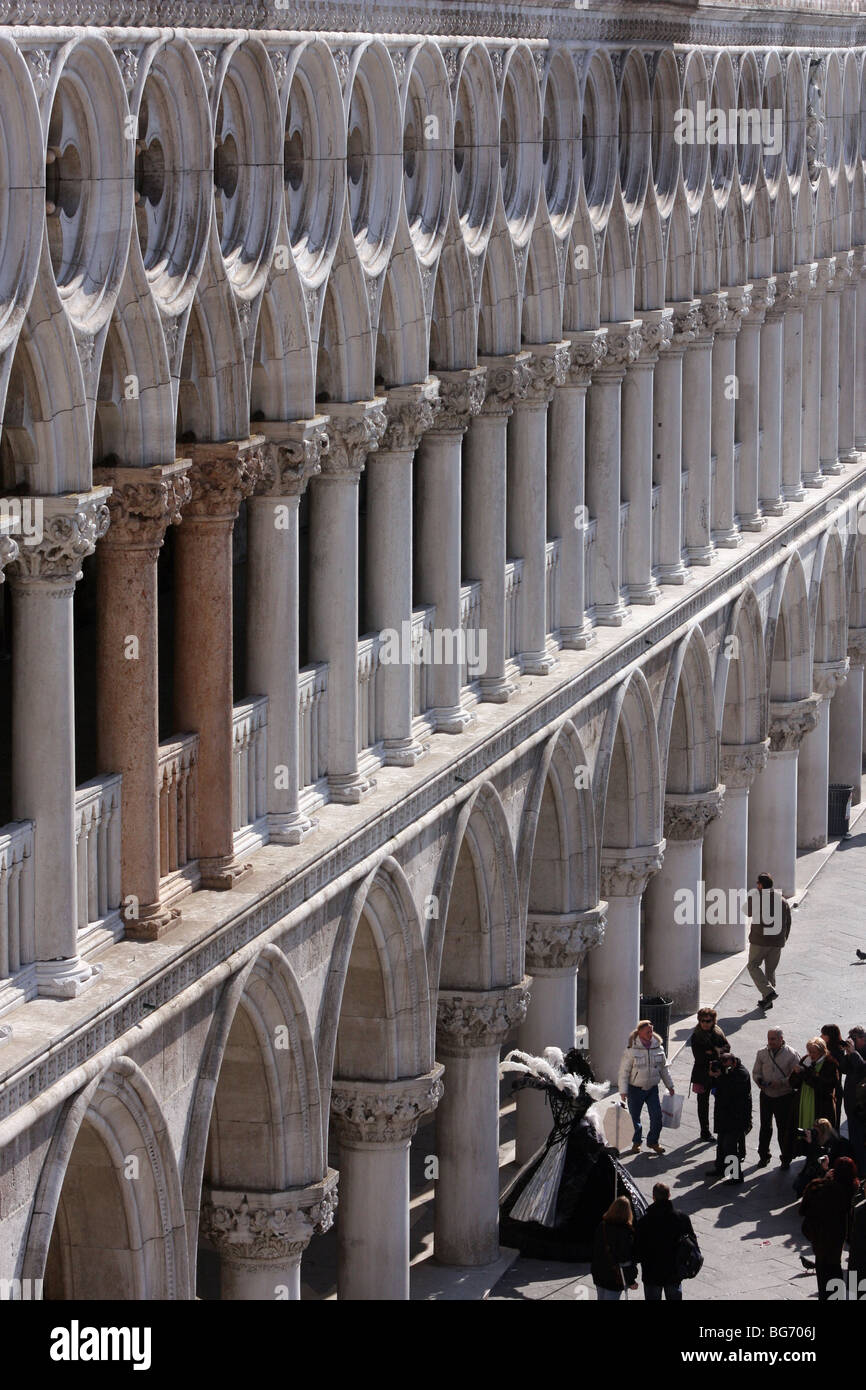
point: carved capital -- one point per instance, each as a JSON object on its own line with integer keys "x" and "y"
{"x": 686, "y": 323}
{"x": 466, "y": 1019}
{"x": 588, "y": 350}
{"x": 549, "y": 369}
{"x": 763, "y": 298}
{"x": 857, "y": 646}
{"x": 826, "y": 274}
{"x": 461, "y": 396}
{"x": 740, "y": 763}
{"x": 560, "y": 940}
{"x": 355, "y": 429}
{"x": 656, "y": 332}
{"x": 8, "y": 552}
{"x": 738, "y": 305}
{"x": 788, "y": 285}
{"x": 263, "y": 1227}
{"x": 292, "y": 454}
{"x": 383, "y": 1112}
{"x": 687, "y": 816}
{"x": 411, "y": 412}
{"x": 625, "y": 873}
{"x": 791, "y": 721}
{"x": 144, "y": 502}
{"x": 827, "y": 676}
{"x": 714, "y": 312}
{"x": 222, "y": 476}
{"x": 508, "y": 380}
{"x": 71, "y": 525}
{"x": 624, "y": 343}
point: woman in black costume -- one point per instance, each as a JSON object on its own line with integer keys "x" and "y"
{"x": 552, "y": 1208}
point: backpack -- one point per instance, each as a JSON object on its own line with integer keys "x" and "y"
{"x": 687, "y": 1257}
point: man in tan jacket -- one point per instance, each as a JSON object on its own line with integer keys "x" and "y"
{"x": 771, "y": 1074}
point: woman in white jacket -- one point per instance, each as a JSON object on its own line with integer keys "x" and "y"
{"x": 643, "y": 1066}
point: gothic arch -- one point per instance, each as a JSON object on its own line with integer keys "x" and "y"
{"x": 627, "y": 781}
{"x": 282, "y": 382}
{"x": 828, "y": 600}
{"x": 741, "y": 674}
{"x": 557, "y": 860}
{"x": 788, "y": 641}
{"x": 688, "y": 749}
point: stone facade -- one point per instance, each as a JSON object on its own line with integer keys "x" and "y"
{"x": 421, "y": 569}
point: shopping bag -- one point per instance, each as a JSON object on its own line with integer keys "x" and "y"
{"x": 672, "y": 1110}
{"x": 618, "y": 1127}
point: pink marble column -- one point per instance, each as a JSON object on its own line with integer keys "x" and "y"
{"x": 144, "y": 502}
{"x": 221, "y": 476}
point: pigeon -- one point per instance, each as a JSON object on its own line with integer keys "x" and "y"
{"x": 861, "y": 955}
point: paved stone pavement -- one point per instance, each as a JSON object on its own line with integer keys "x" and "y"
{"x": 749, "y": 1235}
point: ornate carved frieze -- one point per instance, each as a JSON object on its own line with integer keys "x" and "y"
{"x": 71, "y": 525}
{"x": 466, "y": 1019}
{"x": 383, "y": 1112}
{"x": 411, "y": 412}
{"x": 222, "y": 476}
{"x": 626, "y": 873}
{"x": 687, "y": 816}
{"x": 740, "y": 763}
{"x": 461, "y": 396}
{"x": 560, "y": 940}
{"x": 144, "y": 502}
{"x": 262, "y": 1227}
{"x": 508, "y": 380}
{"x": 292, "y": 454}
{"x": 354, "y": 431}
{"x": 791, "y": 721}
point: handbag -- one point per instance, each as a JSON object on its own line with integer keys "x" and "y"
{"x": 672, "y": 1110}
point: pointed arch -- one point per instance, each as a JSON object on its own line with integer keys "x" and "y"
{"x": 499, "y": 316}
{"x": 761, "y": 234}
{"x": 401, "y": 337}
{"x": 734, "y": 257}
{"x": 453, "y": 329}
{"x": 213, "y": 401}
{"x": 580, "y": 308}
{"x": 741, "y": 674}
{"x": 823, "y": 217}
{"x": 557, "y": 857}
{"x": 679, "y": 271}
{"x": 784, "y": 255}
{"x": 282, "y": 380}
{"x": 787, "y": 636}
{"x": 707, "y": 249}
{"x": 617, "y": 280}
{"x": 649, "y": 272}
{"x": 345, "y": 355}
{"x": 627, "y": 781}
{"x": 137, "y": 428}
{"x": 688, "y": 748}
{"x": 828, "y": 604}
{"x": 541, "y": 320}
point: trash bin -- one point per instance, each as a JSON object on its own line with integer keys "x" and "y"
{"x": 839, "y": 808}
{"x": 658, "y": 1011}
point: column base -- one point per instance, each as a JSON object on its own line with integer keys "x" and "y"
{"x": 610, "y": 614}
{"x": 644, "y": 593}
{"x": 672, "y": 574}
{"x": 774, "y": 507}
{"x": 848, "y": 456}
{"x": 289, "y": 829}
{"x": 496, "y": 691}
{"x": 452, "y": 719}
{"x": 793, "y": 492}
{"x": 152, "y": 922}
{"x": 537, "y": 663}
{"x": 753, "y": 522}
{"x": 728, "y": 539}
{"x": 65, "y": 979}
{"x": 403, "y": 752}
{"x": 701, "y": 554}
{"x": 222, "y": 872}
{"x": 830, "y": 467}
{"x": 576, "y": 639}
{"x": 347, "y": 789}
{"x": 813, "y": 480}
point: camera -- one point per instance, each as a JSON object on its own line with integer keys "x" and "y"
{"x": 715, "y": 1068}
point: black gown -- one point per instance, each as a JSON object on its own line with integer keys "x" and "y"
{"x": 573, "y": 1179}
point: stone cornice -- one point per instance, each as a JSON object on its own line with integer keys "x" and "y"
{"x": 291, "y": 455}
{"x": 461, "y": 396}
{"x": 740, "y": 763}
{"x": 144, "y": 502}
{"x": 72, "y": 523}
{"x": 355, "y": 429}
{"x": 222, "y": 475}
{"x": 560, "y": 940}
{"x": 260, "y": 1227}
{"x": 791, "y": 721}
{"x": 508, "y": 380}
{"x": 625, "y": 873}
{"x": 411, "y": 411}
{"x": 687, "y": 816}
{"x": 383, "y": 1112}
{"x": 466, "y": 1019}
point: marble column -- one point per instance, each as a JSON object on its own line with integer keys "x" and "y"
{"x": 726, "y": 850}
{"x": 566, "y": 484}
{"x": 773, "y": 797}
{"x": 672, "y": 949}
{"x": 812, "y": 377}
{"x": 726, "y": 532}
{"x": 789, "y": 288}
{"x": 556, "y": 946}
{"x": 770, "y": 401}
{"x": 656, "y": 332}
{"x": 485, "y": 490}
{"x": 42, "y": 580}
{"x": 471, "y": 1027}
{"x": 860, "y": 365}
{"x": 748, "y": 406}
{"x": 144, "y": 502}
{"x": 813, "y": 772}
{"x": 846, "y": 719}
{"x": 261, "y": 1236}
{"x": 603, "y": 461}
{"x": 292, "y": 455}
{"x": 411, "y": 410}
{"x": 668, "y": 443}
{"x": 697, "y": 429}
{"x": 354, "y": 431}
{"x": 526, "y": 509}
{"x": 438, "y": 506}
{"x": 374, "y": 1122}
{"x": 833, "y": 285}
{"x": 221, "y": 477}
{"x": 848, "y": 274}
{"x": 614, "y": 971}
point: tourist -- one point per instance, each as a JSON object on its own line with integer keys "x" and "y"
{"x": 657, "y": 1240}
{"x": 853, "y": 1069}
{"x": 732, "y": 1117}
{"x": 826, "y": 1211}
{"x": 772, "y": 1076}
{"x": 822, "y": 1145}
{"x": 642, "y": 1067}
{"x": 707, "y": 1042}
{"x": 770, "y": 929}
{"x": 613, "y": 1253}
{"x": 832, "y": 1035}
{"x": 816, "y": 1077}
